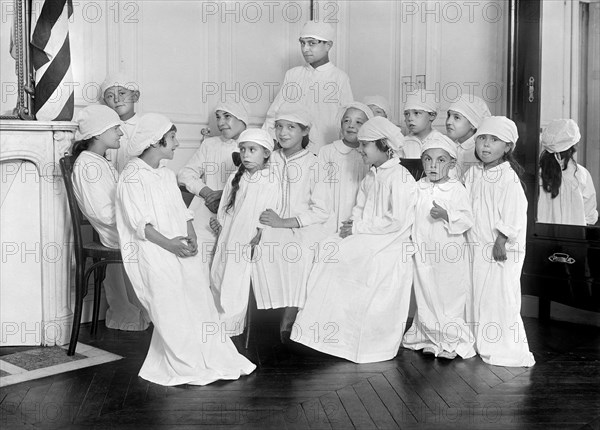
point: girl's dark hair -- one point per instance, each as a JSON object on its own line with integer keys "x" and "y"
{"x": 551, "y": 170}
{"x": 81, "y": 145}
{"x": 382, "y": 145}
{"x": 305, "y": 139}
{"x": 162, "y": 141}
{"x": 235, "y": 185}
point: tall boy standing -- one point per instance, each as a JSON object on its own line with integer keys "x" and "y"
{"x": 319, "y": 85}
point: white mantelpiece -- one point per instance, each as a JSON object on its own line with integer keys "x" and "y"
{"x": 36, "y": 229}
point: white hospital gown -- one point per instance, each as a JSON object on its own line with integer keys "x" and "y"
{"x": 280, "y": 274}
{"x": 188, "y": 345}
{"x": 442, "y": 270}
{"x": 232, "y": 265}
{"x": 499, "y": 205}
{"x": 343, "y": 170}
{"x": 359, "y": 290}
{"x": 322, "y": 91}
{"x": 210, "y": 166}
{"x": 95, "y": 186}
{"x": 575, "y": 203}
{"x": 120, "y": 157}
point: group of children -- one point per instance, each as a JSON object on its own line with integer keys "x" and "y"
{"x": 319, "y": 217}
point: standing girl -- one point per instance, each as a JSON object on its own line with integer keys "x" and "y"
{"x": 343, "y": 166}
{"x": 288, "y": 251}
{"x": 498, "y": 237}
{"x": 464, "y": 116}
{"x": 251, "y": 190}
{"x": 95, "y": 185}
{"x": 187, "y": 346}
{"x": 207, "y": 172}
{"x": 358, "y": 297}
{"x": 567, "y": 193}
{"x": 442, "y": 279}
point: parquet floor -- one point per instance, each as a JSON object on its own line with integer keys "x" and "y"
{"x": 298, "y": 390}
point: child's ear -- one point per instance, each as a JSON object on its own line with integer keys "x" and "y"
{"x": 136, "y": 96}
{"x": 306, "y": 131}
{"x": 329, "y": 44}
{"x": 432, "y": 116}
{"x": 452, "y": 163}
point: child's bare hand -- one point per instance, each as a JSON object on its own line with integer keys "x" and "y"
{"x": 193, "y": 244}
{"x": 499, "y": 249}
{"x": 215, "y": 226}
{"x": 180, "y": 247}
{"x": 270, "y": 218}
{"x": 438, "y": 212}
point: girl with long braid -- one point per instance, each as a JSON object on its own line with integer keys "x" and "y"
{"x": 249, "y": 191}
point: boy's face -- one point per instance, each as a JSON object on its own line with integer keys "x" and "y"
{"x": 122, "y": 101}
{"x": 457, "y": 126}
{"x": 437, "y": 164}
{"x": 229, "y": 126}
{"x": 314, "y": 50}
{"x": 418, "y": 121}
{"x": 352, "y": 121}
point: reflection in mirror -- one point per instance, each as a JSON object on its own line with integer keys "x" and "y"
{"x": 569, "y": 162}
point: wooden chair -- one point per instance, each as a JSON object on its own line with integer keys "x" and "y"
{"x": 101, "y": 257}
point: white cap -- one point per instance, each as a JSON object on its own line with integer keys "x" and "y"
{"x": 118, "y": 79}
{"x": 499, "y": 126}
{"x": 422, "y": 100}
{"x": 439, "y": 141}
{"x": 149, "y": 130}
{"x": 380, "y": 102}
{"x": 354, "y": 105}
{"x": 472, "y": 108}
{"x": 258, "y": 136}
{"x": 294, "y": 112}
{"x": 318, "y": 30}
{"x": 95, "y": 120}
{"x": 379, "y": 127}
{"x": 560, "y": 135}
{"x": 238, "y": 109}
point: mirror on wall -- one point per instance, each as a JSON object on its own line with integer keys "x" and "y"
{"x": 569, "y": 165}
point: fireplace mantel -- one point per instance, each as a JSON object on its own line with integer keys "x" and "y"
{"x": 36, "y": 231}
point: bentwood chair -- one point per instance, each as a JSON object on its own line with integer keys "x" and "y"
{"x": 101, "y": 257}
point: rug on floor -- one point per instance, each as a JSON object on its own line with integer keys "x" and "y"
{"x": 39, "y": 362}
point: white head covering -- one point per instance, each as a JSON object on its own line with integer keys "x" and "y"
{"x": 118, "y": 79}
{"x": 471, "y": 107}
{"x": 318, "y": 30}
{"x": 149, "y": 130}
{"x": 380, "y": 102}
{"x": 95, "y": 120}
{"x": 258, "y": 136}
{"x": 238, "y": 109}
{"x": 294, "y": 112}
{"x": 354, "y": 105}
{"x": 422, "y": 100}
{"x": 381, "y": 128}
{"x": 439, "y": 141}
{"x": 499, "y": 126}
{"x": 560, "y": 135}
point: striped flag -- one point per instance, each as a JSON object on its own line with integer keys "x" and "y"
{"x": 51, "y": 59}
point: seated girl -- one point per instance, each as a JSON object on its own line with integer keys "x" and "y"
{"x": 95, "y": 184}
{"x": 188, "y": 346}
{"x": 358, "y": 297}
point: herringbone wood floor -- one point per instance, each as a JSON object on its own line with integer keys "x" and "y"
{"x": 294, "y": 389}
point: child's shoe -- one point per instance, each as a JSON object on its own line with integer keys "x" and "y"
{"x": 428, "y": 350}
{"x": 447, "y": 355}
